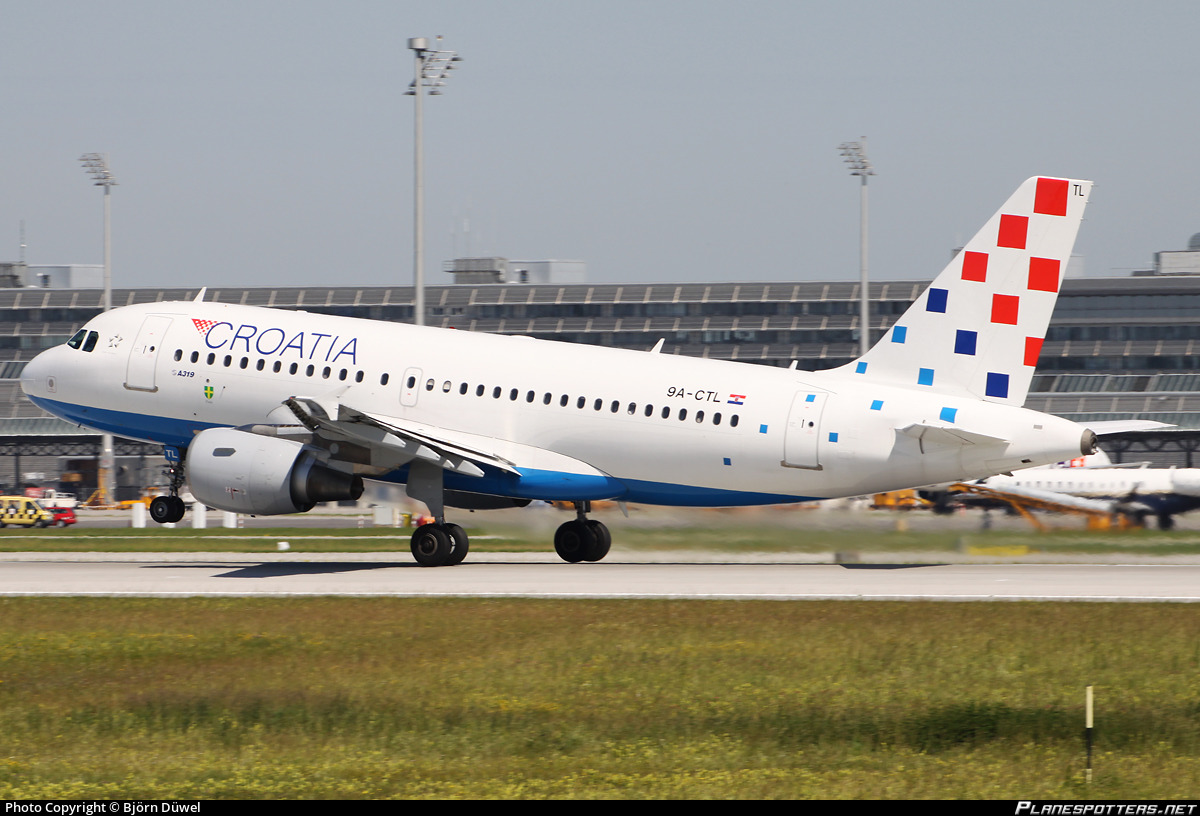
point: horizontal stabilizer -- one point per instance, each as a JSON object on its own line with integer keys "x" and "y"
{"x": 948, "y": 435}
{"x": 1112, "y": 426}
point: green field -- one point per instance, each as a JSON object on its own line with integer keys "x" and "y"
{"x": 372, "y": 698}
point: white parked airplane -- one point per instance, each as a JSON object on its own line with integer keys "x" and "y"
{"x": 1134, "y": 489}
{"x": 270, "y": 411}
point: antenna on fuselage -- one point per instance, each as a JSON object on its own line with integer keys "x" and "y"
{"x": 200, "y": 295}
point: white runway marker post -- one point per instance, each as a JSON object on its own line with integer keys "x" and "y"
{"x": 1087, "y": 732}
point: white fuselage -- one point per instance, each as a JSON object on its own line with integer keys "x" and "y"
{"x": 666, "y": 429}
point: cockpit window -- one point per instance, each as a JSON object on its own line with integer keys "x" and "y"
{"x": 77, "y": 341}
{"x": 90, "y": 343}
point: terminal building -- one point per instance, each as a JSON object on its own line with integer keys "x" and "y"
{"x": 1117, "y": 348}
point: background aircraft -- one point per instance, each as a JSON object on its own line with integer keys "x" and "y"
{"x": 1134, "y": 489}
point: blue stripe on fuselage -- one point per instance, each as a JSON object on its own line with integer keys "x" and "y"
{"x": 535, "y": 484}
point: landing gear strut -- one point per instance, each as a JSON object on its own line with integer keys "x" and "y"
{"x": 582, "y": 539}
{"x": 170, "y": 509}
{"x": 438, "y": 544}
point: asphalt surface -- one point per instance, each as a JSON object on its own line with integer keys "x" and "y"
{"x": 672, "y": 575}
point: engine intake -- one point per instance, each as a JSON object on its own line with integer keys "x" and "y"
{"x": 262, "y": 475}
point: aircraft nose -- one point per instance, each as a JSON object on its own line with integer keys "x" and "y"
{"x": 37, "y": 378}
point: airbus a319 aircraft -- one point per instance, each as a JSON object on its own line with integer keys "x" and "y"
{"x": 265, "y": 411}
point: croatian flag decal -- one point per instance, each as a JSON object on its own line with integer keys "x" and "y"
{"x": 736, "y": 399}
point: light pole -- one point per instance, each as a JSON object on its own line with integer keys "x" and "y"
{"x": 432, "y": 68}
{"x": 855, "y": 155}
{"x": 96, "y": 166}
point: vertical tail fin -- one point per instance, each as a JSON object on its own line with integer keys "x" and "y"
{"x": 978, "y": 328}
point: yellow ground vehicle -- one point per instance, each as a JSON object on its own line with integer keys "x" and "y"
{"x": 20, "y": 511}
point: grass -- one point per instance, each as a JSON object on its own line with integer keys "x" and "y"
{"x": 442, "y": 698}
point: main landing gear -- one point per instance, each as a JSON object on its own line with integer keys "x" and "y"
{"x": 170, "y": 509}
{"x": 582, "y": 539}
{"x": 443, "y": 545}
{"x": 440, "y": 544}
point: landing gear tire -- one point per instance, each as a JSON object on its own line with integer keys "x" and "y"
{"x": 575, "y": 540}
{"x": 459, "y": 542}
{"x": 167, "y": 509}
{"x": 432, "y": 545}
{"x": 603, "y": 541}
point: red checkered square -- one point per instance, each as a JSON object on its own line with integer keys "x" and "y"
{"x": 1051, "y": 197}
{"x": 974, "y": 267}
{"x": 203, "y": 326}
{"x": 1043, "y": 274}
{"x": 1033, "y": 350}
{"x": 1013, "y": 229}
{"x": 1004, "y": 309}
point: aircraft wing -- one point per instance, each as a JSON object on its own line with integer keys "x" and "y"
{"x": 389, "y": 442}
{"x": 1038, "y": 499}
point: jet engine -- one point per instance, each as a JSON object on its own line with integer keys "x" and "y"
{"x": 262, "y": 475}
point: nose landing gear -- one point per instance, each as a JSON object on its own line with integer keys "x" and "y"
{"x": 170, "y": 509}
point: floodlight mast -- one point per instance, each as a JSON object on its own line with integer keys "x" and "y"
{"x": 855, "y": 155}
{"x": 432, "y": 68}
{"x": 96, "y": 166}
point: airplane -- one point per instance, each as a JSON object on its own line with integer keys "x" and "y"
{"x": 1134, "y": 489}
{"x": 264, "y": 411}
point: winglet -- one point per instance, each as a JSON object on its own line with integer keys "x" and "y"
{"x": 200, "y": 295}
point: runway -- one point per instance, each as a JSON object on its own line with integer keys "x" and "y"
{"x": 762, "y": 577}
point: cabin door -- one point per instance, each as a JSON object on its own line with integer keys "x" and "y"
{"x": 143, "y": 355}
{"x": 801, "y": 441}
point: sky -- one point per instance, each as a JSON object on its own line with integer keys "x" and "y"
{"x": 270, "y": 143}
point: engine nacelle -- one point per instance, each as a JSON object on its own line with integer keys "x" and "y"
{"x": 262, "y": 475}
